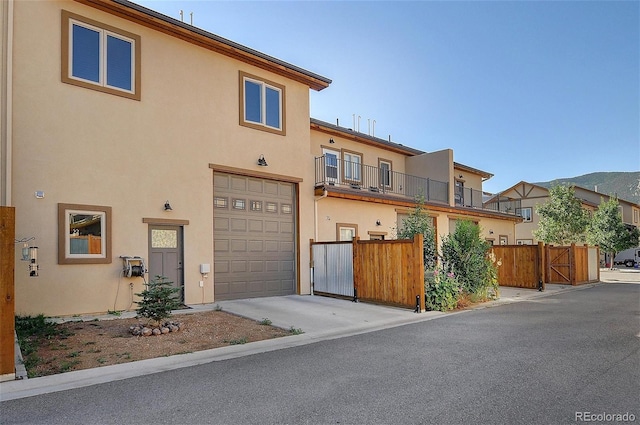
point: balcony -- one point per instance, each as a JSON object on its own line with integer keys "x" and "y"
{"x": 354, "y": 176}
{"x": 375, "y": 181}
{"x": 504, "y": 205}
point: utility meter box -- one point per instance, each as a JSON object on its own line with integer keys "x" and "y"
{"x": 205, "y": 268}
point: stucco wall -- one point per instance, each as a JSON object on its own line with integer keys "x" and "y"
{"x": 86, "y": 147}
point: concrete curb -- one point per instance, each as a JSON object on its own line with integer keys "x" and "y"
{"x": 12, "y": 390}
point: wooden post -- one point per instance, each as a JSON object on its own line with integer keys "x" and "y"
{"x": 419, "y": 249}
{"x": 572, "y": 265}
{"x": 541, "y": 264}
{"x": 598, "y": 260}
{"x": 7, "y": 292}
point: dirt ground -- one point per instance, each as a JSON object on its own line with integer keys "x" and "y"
{"x": 93, "y": 344}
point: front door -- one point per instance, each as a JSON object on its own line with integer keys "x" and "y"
{"x": 165, "y": 255}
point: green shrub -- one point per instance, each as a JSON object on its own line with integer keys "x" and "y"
{"x": 441, "y": 290}
{"x": 158, "y": 300}
{"x": 466, "y": 254}
{"x": 419, "y": 222}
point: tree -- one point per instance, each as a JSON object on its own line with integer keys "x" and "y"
{"x": 158, "y": 300}
{"x": 607, "y": 229}
{"x": 562, "y": 219}
{"x": 419, "y": 222}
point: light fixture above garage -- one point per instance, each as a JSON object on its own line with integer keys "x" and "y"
{"x": 167, "y": 206}
{"x": 261, "y": 161}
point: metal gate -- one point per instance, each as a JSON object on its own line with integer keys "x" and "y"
{"x": 333, "y": 268}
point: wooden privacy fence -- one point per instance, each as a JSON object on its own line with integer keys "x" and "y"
{"x": 387, "y": 272}
{"x": 532, "y": 266}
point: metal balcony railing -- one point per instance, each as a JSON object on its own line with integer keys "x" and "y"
{"x": 331, "y": 171}
{"x": 505, "y": 205}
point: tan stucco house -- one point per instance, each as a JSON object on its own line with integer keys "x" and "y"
{"x": 365, "y": 186}
{"x": 136, "y": 145}
{"x": 530, "y": 195}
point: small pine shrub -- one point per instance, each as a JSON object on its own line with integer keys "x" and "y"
{"x": 158, "y": 300}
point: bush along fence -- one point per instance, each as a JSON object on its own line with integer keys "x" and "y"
{"x": 532, "y": 266}
{"x": 387, "y": 272}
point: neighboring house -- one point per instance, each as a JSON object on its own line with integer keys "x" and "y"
{"x": 131, "y": 140}
{"x": 531, "y": 195}
{"x": 365, "y": 186}
{"x": 110, "y": 111}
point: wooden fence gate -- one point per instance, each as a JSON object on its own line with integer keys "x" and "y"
{"x": 559, "y": 268}
{"x": 386, "y": 272}
{"x": 532, "y": 266}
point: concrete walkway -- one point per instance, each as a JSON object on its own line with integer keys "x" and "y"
{"x": 320, "y": 318}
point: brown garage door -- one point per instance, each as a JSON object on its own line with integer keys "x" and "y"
{"x": 253, "y": 237}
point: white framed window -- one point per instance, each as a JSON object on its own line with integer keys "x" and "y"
{"x": 262, "y": 104}
{"x": 346, "y": 231}
{"x": 352, "y": 166}
{"x": 100, "y": 57}
{"x": 385, "y": 173}
{"x": 525, "y": 213}
{"x": 84, "y": 234}
{"x": 331, "y": 168}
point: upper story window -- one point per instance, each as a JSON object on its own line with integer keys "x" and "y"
{"x": 385, "y": 172}
{"x": 262, "y": 104}
{"x": 352, "y": 166}
{"x": 100, "y": 57}
{"x": 459, "y": 192}
{"x": 525, "y": 213}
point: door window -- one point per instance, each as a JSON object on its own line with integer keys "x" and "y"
{"x": 161, "y": 238}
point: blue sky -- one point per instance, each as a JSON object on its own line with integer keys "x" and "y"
{"x": 524, "y": 90}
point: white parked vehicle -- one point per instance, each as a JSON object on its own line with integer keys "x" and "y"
{"x": 629, "y": 257}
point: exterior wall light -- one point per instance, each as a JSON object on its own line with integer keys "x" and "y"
{"x": 261, "y": 161}
{"x": 167, "y": 206}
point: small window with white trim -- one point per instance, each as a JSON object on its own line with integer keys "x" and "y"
{"x": 525, "y": 213}
{"x": 100, "y": 57}
{"x": 262, "y": 104}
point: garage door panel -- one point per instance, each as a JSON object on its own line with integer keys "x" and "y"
{"x": 221, "y": 181}
{"x": 238, "y": 266}
{"x": 286, "y": 266}
{"x": 286, "y": 247}
{"x": 239, "y": 183}
{"x": 256, "y": 226}
{"x": 238, "y": 245}
{"x": 271, "y": 226}
{"x": 256, "y": 246}
{"x": 254, "y": 237}
{"x": 255, "y": 185}
{"x": 221, "y": 245}
{"x": 221, "y": 267}
{"x": 221, "y": 223}
{"x": 271, "y": 187}
{"x": 238, "y": 225}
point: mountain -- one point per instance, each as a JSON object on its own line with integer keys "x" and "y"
{"x": 625, "y": 184}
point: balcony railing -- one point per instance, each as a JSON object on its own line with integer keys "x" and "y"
{"x": 331, "y": 171}
{"x": 505, "y": 205}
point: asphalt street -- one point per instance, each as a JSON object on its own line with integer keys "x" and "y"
{"x": 548, "y": 360}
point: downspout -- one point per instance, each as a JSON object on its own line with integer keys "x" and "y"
{"x": 315, "y": 228}
{"x": 315, "y": 214}
{"x": 6, "y": 108}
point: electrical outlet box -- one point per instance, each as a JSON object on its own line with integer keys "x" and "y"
{"x": 202, "y": 283}
{"x": 205, "y": 268}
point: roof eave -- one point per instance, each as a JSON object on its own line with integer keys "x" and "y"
{"x": 141, "y": 15}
